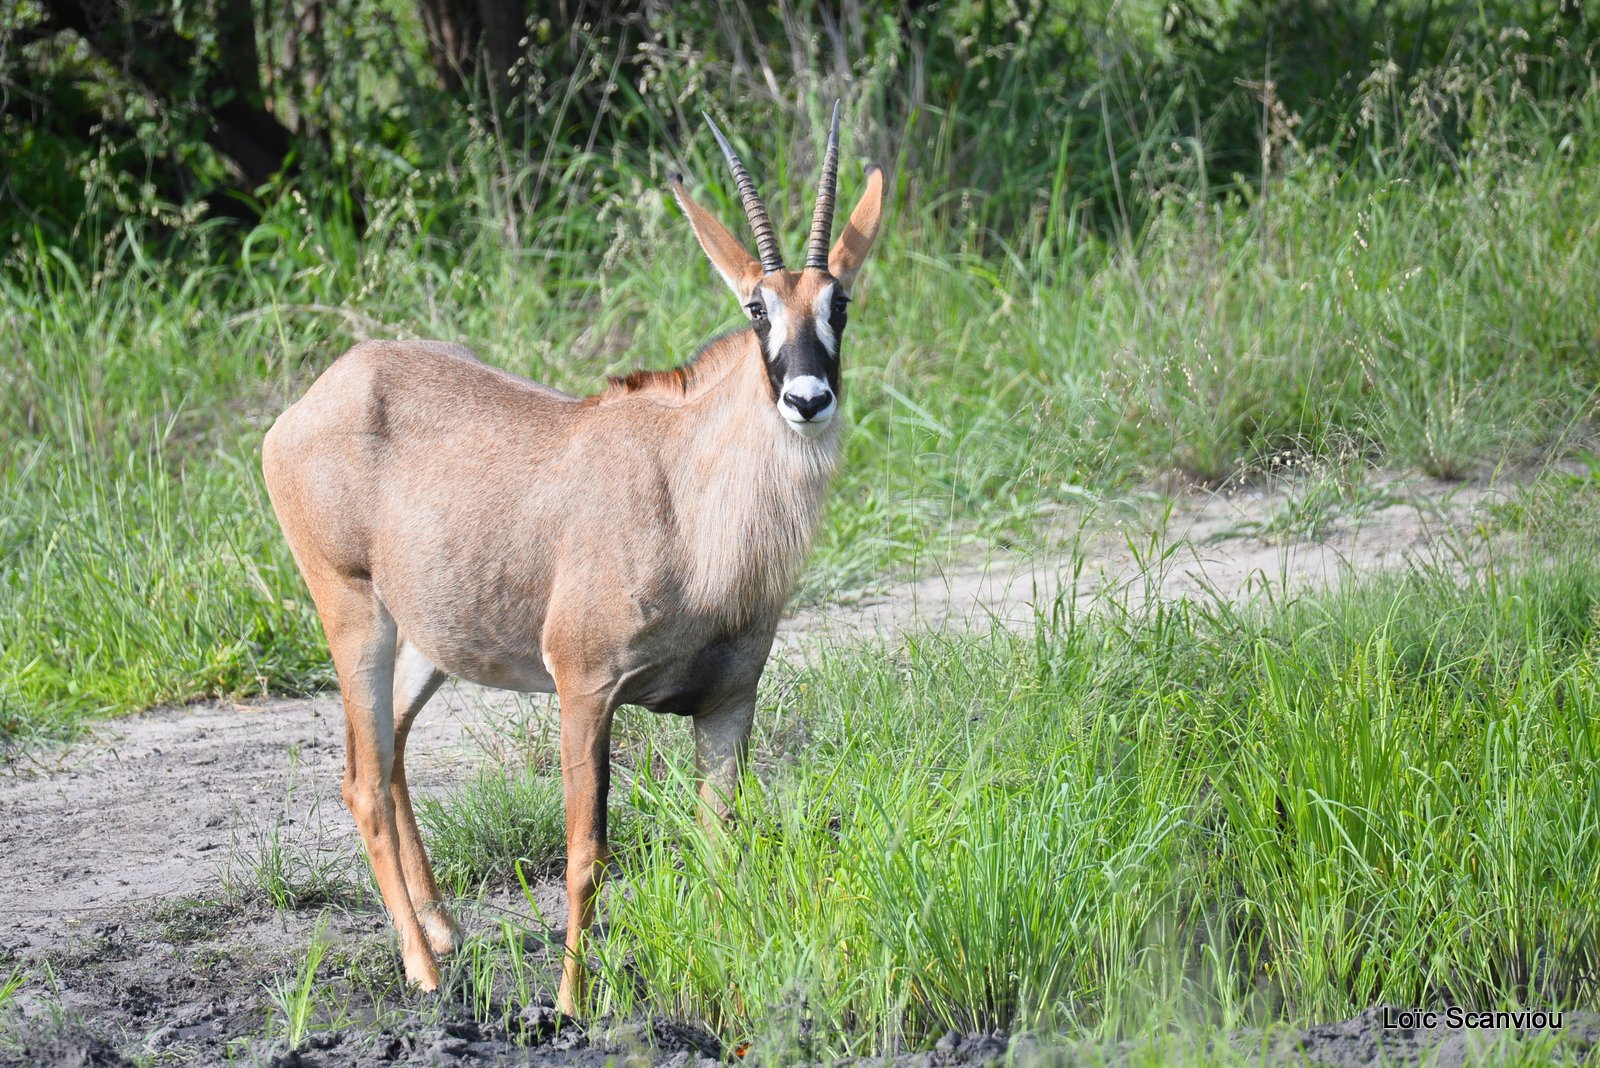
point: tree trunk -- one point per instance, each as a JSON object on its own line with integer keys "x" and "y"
{"x": 144, "y": 44}
{"x": 472, "y": 38}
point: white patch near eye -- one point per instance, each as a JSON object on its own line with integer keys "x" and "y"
{"x": 822, "y": 311}
{"x": 777, "y": 315}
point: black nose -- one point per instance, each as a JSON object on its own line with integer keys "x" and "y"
{"x": 808, "y": 406}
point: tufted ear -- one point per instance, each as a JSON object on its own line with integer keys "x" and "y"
{"x": 737, "y": 267}
{"x": 850, "y": 251}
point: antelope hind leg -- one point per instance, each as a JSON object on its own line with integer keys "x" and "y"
{"x": 415, "y": 681}
{"x": 361, "y": 635}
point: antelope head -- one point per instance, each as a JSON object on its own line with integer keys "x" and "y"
{"x": 798, "y": 316}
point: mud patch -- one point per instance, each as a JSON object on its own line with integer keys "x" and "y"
{"x": 191, "y": 982}
{"x": 1366, "y": 1040}
{"x": 67, "y": 1045}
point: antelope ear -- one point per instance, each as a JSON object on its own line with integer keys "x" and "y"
{"x": 738, "y": 268}
{"x": 850, "y": 251}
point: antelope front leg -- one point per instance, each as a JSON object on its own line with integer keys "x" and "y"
{"x": 721, "y": 743}
{"x": 585, "y": 779}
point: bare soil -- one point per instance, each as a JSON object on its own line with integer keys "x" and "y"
{"x": 126, "y": 856}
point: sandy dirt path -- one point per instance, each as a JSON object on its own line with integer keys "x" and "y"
{"x": 1227, "y": 545}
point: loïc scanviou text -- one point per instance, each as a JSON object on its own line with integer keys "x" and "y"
{"x": 1467, "y": 1019}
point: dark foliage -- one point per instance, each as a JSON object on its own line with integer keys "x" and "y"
{"x": 1004, "y": 110}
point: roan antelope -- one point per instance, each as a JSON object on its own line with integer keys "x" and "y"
{"x": 633, "y": 547}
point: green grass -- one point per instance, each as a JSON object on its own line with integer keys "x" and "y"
{"x": 1156, "y": 822}
{"x": 1442, "y": 321}
{"x": 483, "y": 830}
{"x": 1190, "y": 817}
{"x": 10, "y": 985}
{"x": 296, "y": 997}
{"x": 275, "y": 865}
{"x": 506, "y": 824}
{"x": 287, "y": 861}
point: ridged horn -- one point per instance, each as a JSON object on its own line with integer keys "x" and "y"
{"x": 766, "y": 239}
{"x": 827, "y": 186}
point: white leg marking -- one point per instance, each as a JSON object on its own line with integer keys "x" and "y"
{"x": 413, "y": 679}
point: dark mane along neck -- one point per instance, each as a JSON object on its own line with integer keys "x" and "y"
{"x": 673, "y": 382}
{"x": 677, "y": 384}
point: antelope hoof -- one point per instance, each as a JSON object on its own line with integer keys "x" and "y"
{"x": 571, "y": 992}
{"x": 422, "y": 971}
{"x": 425, "y": 977}
{"x": 444, "y": 936}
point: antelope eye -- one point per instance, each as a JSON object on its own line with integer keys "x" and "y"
{"x": 756, "y": 309}
{"x": 839, "y": 305}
